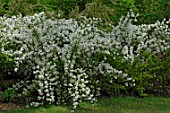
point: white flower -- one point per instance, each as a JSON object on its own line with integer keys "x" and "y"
{"x": 46, "y": 82}
{"x": 39, "y": 98}
{"x": 47, "y": 94}
{"x": 128, "y": 79}
{"x": 15, "y": 69}
{"x": 46, "y": 90}
{"x": 125, "y": 75}
{"x": 115, "y": 77}
{"x": 126, "y": 84}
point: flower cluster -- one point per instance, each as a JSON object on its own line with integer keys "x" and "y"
{"x": 130, "y": 39}
{"x": 63, "y": 61}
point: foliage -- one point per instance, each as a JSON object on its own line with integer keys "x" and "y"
{"x": 64, "y": 5}
{"x": 24, "y": 7}
{"x": 150, "y": 10}
{"x": 109, "y": 10}
{"x": 98, "y": 10}
{"x": 5, "y": 62}
{"x": 6, "y": 66}
{"x": 122, "y": 7}
{"x": 8, "y": 94}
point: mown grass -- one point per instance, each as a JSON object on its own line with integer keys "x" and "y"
{"x": 111, "y": 105}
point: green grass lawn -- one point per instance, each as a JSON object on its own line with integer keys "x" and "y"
{"x": 112, "y": 105}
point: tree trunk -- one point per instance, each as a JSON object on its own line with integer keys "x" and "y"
{"x": 1, "y": 81}
{"x": 166, "y": 9}
{"x": 81, "y": 5}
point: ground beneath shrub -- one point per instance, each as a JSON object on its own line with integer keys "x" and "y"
{"x": 15, "y": 104}
{"x": 8, "y": 106}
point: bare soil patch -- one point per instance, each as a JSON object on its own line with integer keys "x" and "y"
{"x": 15, "y": 104}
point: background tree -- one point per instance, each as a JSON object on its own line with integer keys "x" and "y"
{"x": 109, "y": 10}
{"x": 150, "y": 10}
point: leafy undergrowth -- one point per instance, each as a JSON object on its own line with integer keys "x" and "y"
{"x": 110, "y": 105}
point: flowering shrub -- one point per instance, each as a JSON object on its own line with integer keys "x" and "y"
{"x": 141, "y": 48}
{"x": 68, "y": 61}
